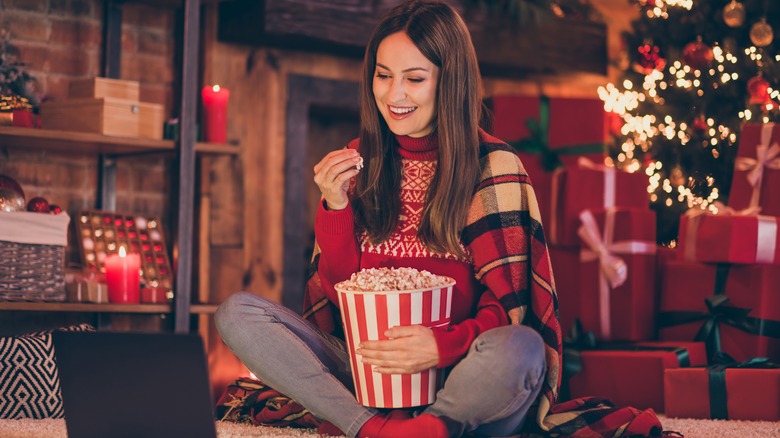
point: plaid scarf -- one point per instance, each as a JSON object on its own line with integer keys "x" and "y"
{"x": 530, "y": 298}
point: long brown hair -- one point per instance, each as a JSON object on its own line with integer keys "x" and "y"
{"x": 441, "y": 36}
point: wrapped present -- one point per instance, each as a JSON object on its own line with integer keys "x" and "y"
{"x": 566, "y": 264}
{"x": 628, "y": 374}
{"x": 733, "y": 308}
{"x": 730, "y": 237}
{"x": 548, "y": 133}
{"x": 748, "y": 390}
{"x": 757, "y": 169}
{"x": 617, "y": 274}
{"x": 590, "y": 186}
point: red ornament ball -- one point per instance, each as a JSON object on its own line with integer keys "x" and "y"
{"x": 697, "y": 55}
{"x": 649, "y": 59}
{"x": 6, "y": 182}
{"x": 55, "y": 209}
{"x": 699, "y": 125}
{"x": 38, "y": 205}
{"x": 758, "y": 88}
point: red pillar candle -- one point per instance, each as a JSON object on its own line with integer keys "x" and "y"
{"x": 215, "y": 100}
{"x": 123, "y": 277}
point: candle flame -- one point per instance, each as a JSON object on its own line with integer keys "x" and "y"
{"x": 122, "y": 252}
{"x": 215, "y": 88}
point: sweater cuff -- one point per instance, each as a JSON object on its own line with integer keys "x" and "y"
{"x": 334, "y": 222}
{"x": 450, "y": 343}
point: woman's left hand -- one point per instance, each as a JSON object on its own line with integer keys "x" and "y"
{"x": 407, "y": 350}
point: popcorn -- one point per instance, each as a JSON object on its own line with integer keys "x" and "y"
{"x": 392, "y": 279}
{"x": 359, "y": 165}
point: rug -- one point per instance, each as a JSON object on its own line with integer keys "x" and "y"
{"x": 690, "y": 428}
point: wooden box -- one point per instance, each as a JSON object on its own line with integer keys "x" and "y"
{"x": 104, "y": 87}
{"x": 119, "y": 117}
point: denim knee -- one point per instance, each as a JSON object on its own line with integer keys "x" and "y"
{"x": 229, "y": 313}
{"x": 518, "y": 349}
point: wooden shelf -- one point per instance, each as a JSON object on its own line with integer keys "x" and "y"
{"x": 100, "y": 308}
{"x": 89, "y": 143}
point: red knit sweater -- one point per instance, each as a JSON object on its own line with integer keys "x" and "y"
{"x": 474, "y": 308}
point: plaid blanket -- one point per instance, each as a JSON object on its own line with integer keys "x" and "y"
{"x": 504, "y": 209}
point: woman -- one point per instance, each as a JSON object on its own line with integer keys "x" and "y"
{"x": 437, "y": 193}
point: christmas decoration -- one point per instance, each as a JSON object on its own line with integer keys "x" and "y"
{"x": 6, "y": 182}
{"x": 758, "y": 88}
{"x": 682, "y": 120}
{"x": 55, "y": 209}
{"x": 11, "y": 200}
{"x": 16, "y": 85}
{"x": 697, "y": 54}
{"x": 761, "y": 33}
{"x": 649, "y": 59}
{"x": 38, "y": 205}
{"x": 734, "y": 14}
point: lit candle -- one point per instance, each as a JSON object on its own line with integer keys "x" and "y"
{"x": 123, "y": 277}
{"x": 215, "y": 100}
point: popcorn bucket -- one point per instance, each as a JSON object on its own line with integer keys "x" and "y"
{"x": 366, "y": 315}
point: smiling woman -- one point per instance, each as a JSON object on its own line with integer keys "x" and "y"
{"x": 405, "y": 86}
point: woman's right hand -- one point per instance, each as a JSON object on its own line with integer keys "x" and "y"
{"x": 332, "y": 175}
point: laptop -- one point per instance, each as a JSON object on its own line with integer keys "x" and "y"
{"x": 134, "y": 385}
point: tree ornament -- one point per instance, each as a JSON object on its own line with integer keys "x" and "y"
{"x": 649, "y": 59}
{"x": 734, "y": 14}
{"x": 677, "y": 177}
{"x": 758, "y": 88}
{"x": 55, "y": 209}
{"x": 650, "y": 3}
{"x": 697, "y": 55}
{"x": 699, "y": 125}
{"x": 11, "y": 200}
{"x": 761, "y": 33}
{"x": 6, "y": 182}
{"x": 38, "y": 205}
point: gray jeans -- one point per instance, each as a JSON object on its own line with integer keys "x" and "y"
{"x": 487, "y": 393}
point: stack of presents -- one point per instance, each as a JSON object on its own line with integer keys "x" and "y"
{"x": 692, "y": 331}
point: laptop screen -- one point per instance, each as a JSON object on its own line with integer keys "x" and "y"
{"x": 134, "y": 385}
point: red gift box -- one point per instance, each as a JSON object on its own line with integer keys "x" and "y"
{"x": 753, "y": 394}
{"x": 566, "y": 269}
{"x": 574, "y": 128}
{"x": 617, "y": 274}
{"x": 632, "y": 378}
{"x": 749, "y": 321}
{"x": 757, "y": 169}
{"x": 590, "y": 186}
{"x": 729, "y": 238}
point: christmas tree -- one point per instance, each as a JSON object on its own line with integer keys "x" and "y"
{"x": 695, "y": 72}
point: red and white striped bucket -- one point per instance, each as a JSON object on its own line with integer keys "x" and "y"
{"x": 366, "y": 316}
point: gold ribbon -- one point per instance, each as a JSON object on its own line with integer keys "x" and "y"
{"x": 613, "y": 270}
{"x": 766, "y": 157}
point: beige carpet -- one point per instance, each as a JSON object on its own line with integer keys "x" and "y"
{"x": 690, "y": 428}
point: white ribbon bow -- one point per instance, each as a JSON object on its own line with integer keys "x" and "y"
{"x": 766, "y": 157}
{"x": 613, "y": 270}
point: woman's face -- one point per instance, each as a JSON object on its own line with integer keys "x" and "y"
{"x": 404, "y": 87}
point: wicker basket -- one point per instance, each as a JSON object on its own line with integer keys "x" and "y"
{"x": 32, "y": 256}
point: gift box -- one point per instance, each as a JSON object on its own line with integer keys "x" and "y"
{"x": 733, "y": 308}
{"x": 738, "y": 394}
{"x": 616, "y": 287}
{"x": 632, "y": 375}
{"x": 566, "y": 268}
{"x": 366, "y": 315}
{"x": 590, "y": 186}
{"x": 757, "y": 169}
{"x": 548, "y": 133}
{"x": 729, "y": 238}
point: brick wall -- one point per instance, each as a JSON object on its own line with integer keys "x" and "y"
{"x": 61, "y": 40}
